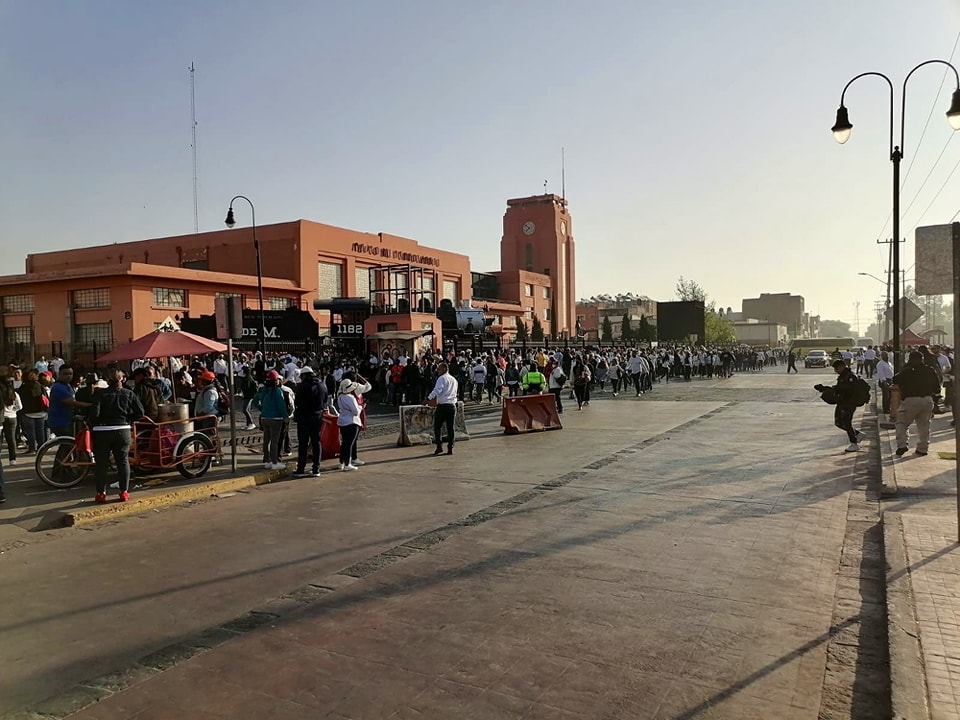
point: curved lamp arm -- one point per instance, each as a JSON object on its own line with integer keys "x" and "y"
{"x": 953, "y": 114}
{"x": 842, "y": 128}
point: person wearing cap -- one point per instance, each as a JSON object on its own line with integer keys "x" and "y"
{"x": 311, "y": 400}
{"x": 918, "y": 383}
{"x": 276, "y": 405}
{"x": 845, "y": 390}
{"x": 348, "y": 405}
{"x": 206, "y": 400}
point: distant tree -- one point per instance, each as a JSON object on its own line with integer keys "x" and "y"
{"x": 626, "y": 332}
{"x": 646, "y": 331}
{"x": 536, "y": 332}
{"x": 606, "y": 333}
{"x": 522, "y": 332}
{"x": 835, "y": 328}
{"x": 690, "y": 290}
{"x": 718, "y": 329}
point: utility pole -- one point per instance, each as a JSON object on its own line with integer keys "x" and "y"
{"x": 856, "y": 316}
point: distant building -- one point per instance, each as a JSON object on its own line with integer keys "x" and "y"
{"x": 781, "y": 308}
{"x": 592, "y": 311}
{"x": 760, "y": 332}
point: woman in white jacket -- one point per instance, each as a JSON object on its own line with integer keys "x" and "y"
{"x": 12, "y": 404}
{"x": 348, "y": 405}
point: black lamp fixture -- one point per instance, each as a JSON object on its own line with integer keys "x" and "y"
{"x": 841, "y": 128}
{"x": 230, "y": 222}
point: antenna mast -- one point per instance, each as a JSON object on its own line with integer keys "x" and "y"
{"x": 563, "y": 175}
{"x": 193, "y": 145}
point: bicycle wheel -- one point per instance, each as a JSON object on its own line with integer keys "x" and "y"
{"x": 60, "y": 465}
{"x": 194, "y": 454}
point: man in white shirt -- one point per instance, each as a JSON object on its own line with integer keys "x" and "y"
{"x": 635, "y": 368}
{"x": 478, "y": 374}
{"x": 884, "y": 376}
{"x": 444, "y": 397}
{"x": 870, "y": 360}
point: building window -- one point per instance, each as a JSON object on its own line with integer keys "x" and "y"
{"x": 546, "y": 293}
{"x": 17, "y": 336}
{"x": 528, "y": 314}
{"x": 225, "y": 295}
{"x": 528, "y": 256}
{"x": 194, "y": 265}
{"x": 99, "y": 333}
{"x": 528, "y": 290}
{"x": 92, "y": 298}
{"x": 169, "y": 298}
{"x": 361, "y": 277}
{"x": 451, "y": 291}
{"x": 546, "y": 314}
{"x": 278, "y": 303}
{"x": 18, "y": 303}
{"x": 331, "y": 280}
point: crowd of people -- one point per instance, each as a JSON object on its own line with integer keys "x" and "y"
{"x": 285, "y": 388}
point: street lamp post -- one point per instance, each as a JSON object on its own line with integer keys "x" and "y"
{"x": 230, "y": 222}
{"x": 841, "y": 132}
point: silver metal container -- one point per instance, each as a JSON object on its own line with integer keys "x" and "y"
{"x": 177, "y": 411}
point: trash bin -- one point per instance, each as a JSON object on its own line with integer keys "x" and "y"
{"x": 329, "y": 437}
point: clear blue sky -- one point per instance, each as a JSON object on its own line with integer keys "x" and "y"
{"x": 696, "y": 133}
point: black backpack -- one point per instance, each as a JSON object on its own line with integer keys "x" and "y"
{"x": 861, "y": 392}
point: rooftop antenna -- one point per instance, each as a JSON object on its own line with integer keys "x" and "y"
{"x": 563, "y": 176}
{"x": 193, "y": 145}
{"x": 544, "y": 187}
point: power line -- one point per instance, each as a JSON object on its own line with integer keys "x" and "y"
{"x": 937, "y": 195}
{"x": 942, "y": 151}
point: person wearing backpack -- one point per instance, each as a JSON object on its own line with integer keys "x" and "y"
{"x": 918, "y": 383}
{"x": 276, "y": 407}
{"x": 848, "y": 393}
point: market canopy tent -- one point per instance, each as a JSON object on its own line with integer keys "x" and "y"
{"x": 159, "y": 344}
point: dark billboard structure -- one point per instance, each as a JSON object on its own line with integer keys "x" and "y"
{"x": 680, "y": 321}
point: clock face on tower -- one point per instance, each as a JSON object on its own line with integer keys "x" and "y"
{"x": 563, "y": 228}
{"x": 529, "y": 228}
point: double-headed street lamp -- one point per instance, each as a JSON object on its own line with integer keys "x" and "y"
{"x": 230, "y": 222}
{"x": 841, "y": 132}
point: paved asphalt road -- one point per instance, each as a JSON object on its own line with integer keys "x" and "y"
{"x": 674, "y": 556}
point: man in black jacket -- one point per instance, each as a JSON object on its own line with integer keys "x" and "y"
{"x": 918, "y": 383}
{"x": 845, "y": 390}
{"x": 311, "y": 400}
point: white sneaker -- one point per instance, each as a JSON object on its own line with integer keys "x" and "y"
{"x": 357, "y": 463}
{"x": 251, "y": 426}
{"x": 12, "y": 462}
{"x": 348, "y": 468}
{"x": 268, "y": 466}
{"x": 852, "y": 447}
{"x": 279, "y": 466}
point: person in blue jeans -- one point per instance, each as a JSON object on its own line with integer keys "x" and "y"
{"x": 3, "y": 497}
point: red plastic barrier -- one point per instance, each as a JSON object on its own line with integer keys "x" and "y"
{"x": 529, "y": 413}
{"x": 329, "y": 437}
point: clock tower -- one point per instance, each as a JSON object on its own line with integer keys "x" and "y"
{"x": 538, "y": 238}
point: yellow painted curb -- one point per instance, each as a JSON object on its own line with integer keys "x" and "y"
{"x": 100, "y": 513}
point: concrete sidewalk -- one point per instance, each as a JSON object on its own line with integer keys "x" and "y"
{"x": 923, "y": 575}
{"x": 684, "y": 574}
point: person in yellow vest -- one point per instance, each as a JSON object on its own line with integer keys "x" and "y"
{"x": 533, "y": 381}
